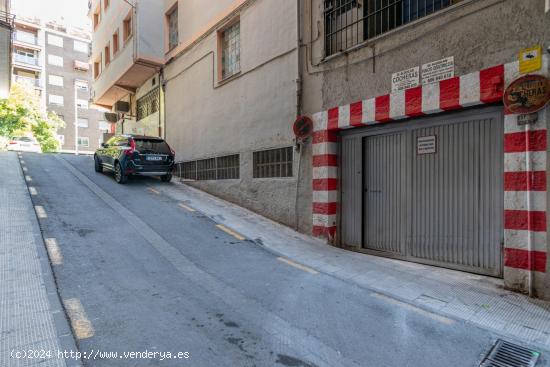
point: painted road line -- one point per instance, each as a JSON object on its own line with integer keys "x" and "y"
{"x": 188, "y": 208}
{"x": 22, "y": 161}
{"x": 231, "y": 232}
{"x": 28, "y": 178}
{"x": 40, "y": 212}
{"x": 298, "y": 266}
{"x": 33, "y": 191}
{"x": 53, "y": 251}
{"x": 25, "y": 169}
{"x": 82, "y": 327}
{"x": 154, "y": 191}
{"x": 418, "y": 310}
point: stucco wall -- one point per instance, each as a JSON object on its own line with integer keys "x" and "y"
{"x": 252, "y": 111}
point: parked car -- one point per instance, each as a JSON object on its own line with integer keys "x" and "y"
{"x": 24, "y": 144}
{"x": 127, "y": 155}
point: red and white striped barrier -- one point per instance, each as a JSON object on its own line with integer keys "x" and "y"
{"x": 524, "y": 159}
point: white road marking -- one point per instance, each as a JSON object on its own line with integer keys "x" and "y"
{"x": 33, "y": 191}
{"x": 82, "y": 327}
{"x": 40, "y": 211}
{"x": 25, "y": 169}
{"x": 298, "y": 266}
{"x": 53, "y": 251}
{"x": 28, "y": 178}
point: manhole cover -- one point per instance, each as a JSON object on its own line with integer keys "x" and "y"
{"x": 506, "y": 354}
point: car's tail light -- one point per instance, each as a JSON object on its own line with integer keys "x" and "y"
{"x": 12, "y": 142}
{"x": 130, "y": 152}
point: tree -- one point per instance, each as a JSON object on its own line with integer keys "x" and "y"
{"x": 21, "y": 114}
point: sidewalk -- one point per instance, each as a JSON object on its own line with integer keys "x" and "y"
{"x": 31, "y": 316}
{"x": 476, "y": 299}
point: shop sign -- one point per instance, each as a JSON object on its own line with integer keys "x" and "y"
{"x": 530, "y": 59}
{"x": 426, "y": 145}
{"x": 528, "y": 119}
{"x": 527, "y": 94}
{"x": 436, "y": 71}
{"x": 405, "y": 79}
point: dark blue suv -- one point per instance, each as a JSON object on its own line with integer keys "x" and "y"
{"x": 127, "y": 155}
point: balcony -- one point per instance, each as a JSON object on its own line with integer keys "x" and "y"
{"x": 29, "y": 82}
{"x": 26, "y": 38}
{"x": 7, "y": 19}
{"x": 26, "y": 60}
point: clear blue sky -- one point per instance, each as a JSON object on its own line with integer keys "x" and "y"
{"x": 74, "y": 12}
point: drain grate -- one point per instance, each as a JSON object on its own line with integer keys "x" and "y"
{"x": 506, "y": 354}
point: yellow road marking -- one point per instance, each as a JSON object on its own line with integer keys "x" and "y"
{"x": 82, "y": 327}
{"x": 231, "y": 232}
{"x": 431, "y": 315}
{"x": 40, "y": 212}
{"x": 22, "y": 161}
{"x": 298, "y": 266}
{"x": 188, "y": 208}
{"x": 25, "y": 169}
{"x": 33, "y": 191}
{"x": 28, "y": 178}
{"x": 154, "y": 191}
{"x": 53, "y": 251}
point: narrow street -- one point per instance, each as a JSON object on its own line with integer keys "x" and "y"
{"x": 151, "y": 274}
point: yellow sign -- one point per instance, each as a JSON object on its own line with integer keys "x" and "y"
{"x": 530, "y": 59}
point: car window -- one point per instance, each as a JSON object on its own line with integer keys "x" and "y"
{"x": 122, "y": 142}
{"x": 111, "y": 141}
{"x": 24, "y": 139}
{"x": 152, "y": 146}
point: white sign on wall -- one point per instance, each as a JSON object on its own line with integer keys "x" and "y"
{"x": 426, "y": 145}
{"x": 405, "y": 79}
{"x": 436, "y": 71}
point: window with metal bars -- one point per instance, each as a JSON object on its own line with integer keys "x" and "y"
{"x": 148, "y": 104}
{"x": 350, "y": 22}
{"x": 206, "y": 169}
{"x": 273, "y": 163}
{"x": 219, "y": 168}
{"x": 228, "y": 167}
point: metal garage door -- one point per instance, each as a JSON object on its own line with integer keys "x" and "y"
{"x": 432, "y": 191}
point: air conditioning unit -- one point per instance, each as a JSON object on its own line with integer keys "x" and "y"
{"x": 111, "y": 117}
{"x": 122, "y": 107}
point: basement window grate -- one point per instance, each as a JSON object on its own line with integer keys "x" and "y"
{"x": 504, "y": 354}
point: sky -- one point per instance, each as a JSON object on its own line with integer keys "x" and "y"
{"x": 73, "y": 12}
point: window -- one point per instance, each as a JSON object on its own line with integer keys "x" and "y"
{"x": 115, "y": 43}
{"x": 107, "y": 53}
{"x": 82, "y": 122}
{"x": 97, "y": 16}
{"x": 81, "y": 65}
{"x": 231, "y": 51}
{"x": 83, "y": 141}
{"x": 106, "y": 4}
{"x": 350, "y": 22}
{"x": 55, "y": 100}
{"x": 55, "y": 80}
{"x": 172, "y": 20}
{"x": 82, "y": 85}
{"x": 55, "y": 40}
{"x": 81, "y": 46}
{"x": 273, "y": 163}
{"x": 97, "y": 68}
{"x": 127, "y": 27}
{"x": 220, "y": 168}
{"x": 148, "y": 104}
{"x": 55, "y": 60}
{"x": 82, "y": 103}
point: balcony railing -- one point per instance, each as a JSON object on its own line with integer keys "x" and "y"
{"x": 31, "y": 82}
{"x": 7, "y": 18}
{"x": 26, "y": 38}
{"x": 34, "y": 61}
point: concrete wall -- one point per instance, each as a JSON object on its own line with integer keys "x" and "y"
{"x": 254, "y": 110}
{"x": 70, "y": 74}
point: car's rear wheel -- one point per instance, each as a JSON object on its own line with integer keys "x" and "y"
{"x": 166, "y": 178}
{"x": 120, "y": 177}
{"x": 97, "y": 164}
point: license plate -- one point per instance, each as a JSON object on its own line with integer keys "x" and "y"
{"x": 153, "y": 158}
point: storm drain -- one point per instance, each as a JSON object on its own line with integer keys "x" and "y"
{"x": 506, "y": 354}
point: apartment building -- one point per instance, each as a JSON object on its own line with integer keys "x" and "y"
{"x": 127, "y": 56}
{"x": 6, "y": 29}
{"x": 53, "y": 61}
{"x": 414, "y": 155}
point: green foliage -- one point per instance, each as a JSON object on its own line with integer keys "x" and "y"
{"x": 21, "y": 114}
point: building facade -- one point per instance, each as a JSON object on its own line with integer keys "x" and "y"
{"x": 6, "y": 30}
{"x": 414, "y": 155}
{"x": 53, "y": 61}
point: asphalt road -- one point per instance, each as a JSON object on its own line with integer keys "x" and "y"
{"x": 152, "y": 276}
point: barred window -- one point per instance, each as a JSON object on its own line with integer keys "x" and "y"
{"x": 173, "y": 38}
{"x": 350, "y": 22}
{"x": 273, "y": 163}
{"x": 231, "y": 51}
{"x": 148, "y": 104}
{"x": 220, "y": 168}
